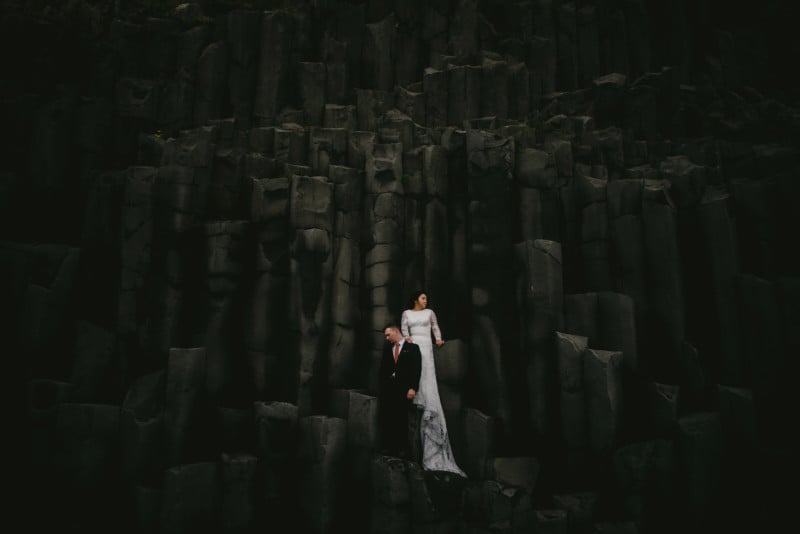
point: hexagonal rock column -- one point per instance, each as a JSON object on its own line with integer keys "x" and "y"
{"x": 665, "y": 323}
{"x": 311, "y": 209}
{"x": 539, "y": 198}
{"x": 492, "y": 503}
{"x": 44, "y": 398}
{"x": 719, "y": 239}
{"x": 602, "y": 383}
{"x": 699, "y": 448}
{"x": 243, "y": 42}
{"x": 328, "y": 146}
{"x": 490, "y": 164}
{"x": 479, "y": 448}
{"x": 627, "y": 241}
{"x": 345, "y": 316}
{"x": 391, "y": 498}
{"x": 95, "y": 373}
{"x": 225, "y": 247}
{"x": 266, "y": 339}
{"x": 607, "y": 319}
{"x": 540, "y": 304}
{"x": 436, "y": 499}
{"x": 87, "y": 438}
{"x": 191, "y": 498}
{"x": 644, "y": 474}
{"x": 277, "y": 34}
{"x": 44, "y": 304}
{"x": 572, "y": 401}
{"x": 382, "y": 247}
{"x": 276, "y": 447}
{"x": 186, "y": 384}
{"x": 137, "y": 215}
{"x": 180, "y": 209}
{"x": 312, "y": 91}
{"x": 142, "y": 431}
{"x": 321, "y": 456}
{"x": 379, "y": 54}
{"x": 592, "y": 210}
{"x": 237, "y": 488}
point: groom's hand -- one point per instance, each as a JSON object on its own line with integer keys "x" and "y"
{"x": 411, "y": 394}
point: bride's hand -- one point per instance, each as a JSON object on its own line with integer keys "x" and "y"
{"x": 439, "y": 342}
{"x": 408, "y": 339}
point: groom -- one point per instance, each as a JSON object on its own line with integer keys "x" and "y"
{"x": 398, "y": 382}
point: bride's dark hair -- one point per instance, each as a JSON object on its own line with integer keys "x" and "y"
{"x": 415, "y": 295}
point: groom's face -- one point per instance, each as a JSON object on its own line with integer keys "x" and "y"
{"x": 392, "y": 335}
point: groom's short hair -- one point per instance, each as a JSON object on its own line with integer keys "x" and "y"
{"x": 393, "y": 326}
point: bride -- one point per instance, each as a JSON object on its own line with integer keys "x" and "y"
{"x": 416, "y": 325}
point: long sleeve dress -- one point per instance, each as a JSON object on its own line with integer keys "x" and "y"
{"x": 437, "y": 454}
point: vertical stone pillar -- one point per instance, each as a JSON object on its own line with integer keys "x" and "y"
{"x": 328, "y": 146}
{"x": 540, "y": 309}
{"x": 312, "y": 91}
{"x": 143, "y": 431}
{"x": 572, "y": 401}
{"x": 266, "y": 339}
{"x": 719, "y": 239}
{"x": 191, "y": 498}
{"x": 321, "y": 455}
{"x": 183, "y": 411}
{"x": 276, "y": 37}
{"x": 665, "y": 323}
{"x": 345, "y": 315}
{"x": 212, "y": 73}
{"x": 243, "y": 28}
{"x": 591, "y": 198}
{"x": 494, "y": 89}
{"x": 602, "y": 383}
{"x": 382, "y": 240}
{"x": 224, "y": 263}
{"x": 311, "y": 211}
{"x": 490, "y": 164}
{"x": 566, "y": 18}
{"x": 137, "y": 214}
{"x": 237, "y": 492}
{"x": 379, "y": 53}
{"x": 276, "y": 447}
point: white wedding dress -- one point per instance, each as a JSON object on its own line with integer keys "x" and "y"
{"x": 436, "y": 452}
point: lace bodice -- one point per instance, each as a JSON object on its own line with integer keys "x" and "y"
{"x": 419, "y": 324}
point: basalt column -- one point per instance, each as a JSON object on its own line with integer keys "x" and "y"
{"x": 540, "y": 303}
{"x": 266, "y": 342}
{"x": 490, "y": 163}
{"x": 276, "y": 426}
{"x": 436, "y": 231}
{"x": 457, "y": 325}
{"x": 382, "y": 247}
{"x": 345, "y": 317}
{"x": 243, "y": 28}
{"x": 135, "y": 244}
{"x": 665, "y": 325}
{"x": 277, "y": 30}
{"x": 311, "y": 219}
{"x": 224, "y": 256}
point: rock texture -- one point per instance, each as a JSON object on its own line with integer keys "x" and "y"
{"x": 210, "y": 210}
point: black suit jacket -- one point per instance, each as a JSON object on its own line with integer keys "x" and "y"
{"x": 396, "y": 379}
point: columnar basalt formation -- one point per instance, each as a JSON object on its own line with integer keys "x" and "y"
{"x": 211, "y": 210}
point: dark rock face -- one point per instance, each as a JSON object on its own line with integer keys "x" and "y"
{"x": 209, "y": 211}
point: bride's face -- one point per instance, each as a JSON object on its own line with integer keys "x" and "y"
{"x": 422, "y": 301}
